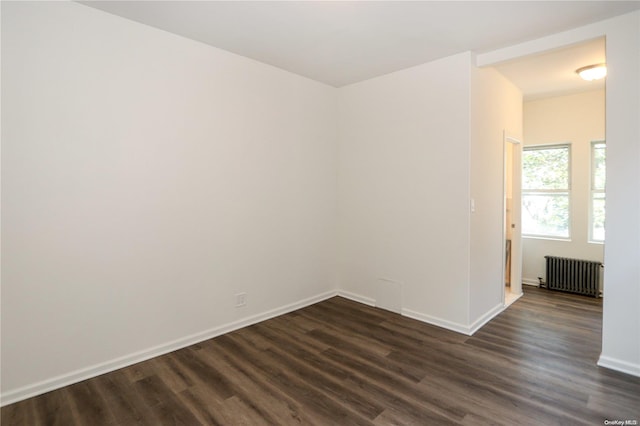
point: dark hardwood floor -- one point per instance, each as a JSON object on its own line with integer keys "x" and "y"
{"x": 342, "y": 363}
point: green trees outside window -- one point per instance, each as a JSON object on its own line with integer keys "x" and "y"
{"x": 598, "y": 180}
{"x": 545, "y": 191}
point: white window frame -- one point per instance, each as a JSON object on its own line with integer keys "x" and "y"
{"x": 564, "y": 192}
{"x": 593, "y": 191}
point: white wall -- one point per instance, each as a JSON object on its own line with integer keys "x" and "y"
{"x": 404, "y": 188}
{"x": 414, "y": 146}
{"x": 621, "y": 316}
{"x": 621, "y": 319}
{"x": 147, "y": 179}
{"x": 496, "y": 107}
{"x": 579, "y": 120}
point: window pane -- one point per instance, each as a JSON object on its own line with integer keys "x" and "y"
{"x": 599, "y": 174}
{"x": 597, "y": 219}
{"x": 545, "y": 215}
{"x": 546, "y": 168}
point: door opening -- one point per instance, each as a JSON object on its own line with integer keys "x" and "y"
{"x": 512, "y": 257}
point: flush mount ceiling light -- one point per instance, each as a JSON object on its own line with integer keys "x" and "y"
{"x": 592, "y": 72}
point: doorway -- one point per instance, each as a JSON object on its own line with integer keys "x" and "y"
{"x": 559, "y": 108}
{"x": 512, "y": 236}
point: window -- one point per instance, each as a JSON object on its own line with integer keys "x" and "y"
{"x": 545, "y": 191}
{"x": 598, "y": 180}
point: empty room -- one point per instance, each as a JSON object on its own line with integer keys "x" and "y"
{"x": 318, "y": 213}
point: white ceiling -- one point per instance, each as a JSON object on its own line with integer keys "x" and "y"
{"x": 554, "y": 73}
{"x": 342, "y": 42}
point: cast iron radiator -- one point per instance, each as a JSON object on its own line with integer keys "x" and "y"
{"x": 573, "y": 275}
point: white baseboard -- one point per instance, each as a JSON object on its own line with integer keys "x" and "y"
{"x": 619, "y": 365}
{"x": 76, "y": 376}
{"x": 531, "y": 281}
{"x": 468, "y": 330}
{"x": 357, "y": 298}
{"x": 477, "y": 324}
{"x": 127, "y": 360}
{"x": 429, "y": 319}
{"x": 439, "y": 322}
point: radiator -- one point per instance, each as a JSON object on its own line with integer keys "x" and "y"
{"x": 573, "y": 275}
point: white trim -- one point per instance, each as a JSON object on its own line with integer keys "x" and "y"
{"x": 619, "y": 365}
{"x": 428, "y": 319}
{"x": 511, "y": 139}
{"x": 516, "y": 236}
{"x": 356, "y": 298}
{"x": 542, "y": 237}
{"x": 76, "y": 376}
{"x": 492, "y": 313}
{"x": 449, "y": 325}
{"x": 136, "y": 357}
{"x": 531, "y": 281}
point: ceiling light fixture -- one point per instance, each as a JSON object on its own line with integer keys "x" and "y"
{"x": 592, "y": 72}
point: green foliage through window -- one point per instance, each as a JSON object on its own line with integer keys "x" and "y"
{"x": 545, "y": 191}
{"x": 598, "y": 181}
{"x": 546, "y": 168}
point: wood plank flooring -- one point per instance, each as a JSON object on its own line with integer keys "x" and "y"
{"x": 342, "y": 363}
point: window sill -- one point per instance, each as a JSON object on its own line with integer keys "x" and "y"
{"x": 535, "y": 237}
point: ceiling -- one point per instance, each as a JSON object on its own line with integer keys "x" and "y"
{"x": 343, "y": 42}
{"x": 554, "y": 73}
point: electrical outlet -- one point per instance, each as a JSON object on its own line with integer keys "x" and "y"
{"x": 241, "y": 299}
